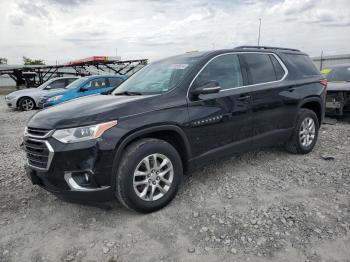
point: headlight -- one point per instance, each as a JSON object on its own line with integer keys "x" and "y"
{"x": 83, "y": 133}
{"x": 54, "y": 98}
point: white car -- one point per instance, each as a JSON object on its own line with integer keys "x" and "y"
{"x": 28, "y": 99}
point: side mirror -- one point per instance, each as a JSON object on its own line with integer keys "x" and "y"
{"x": 48, "y": 87}
{"x": 209, "y": 87}
{"x": 83, "y": 89}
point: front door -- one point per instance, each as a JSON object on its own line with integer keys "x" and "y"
{"x": 220, "y": 123}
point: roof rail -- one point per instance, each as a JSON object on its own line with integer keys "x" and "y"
{"x": 265, "y": 47}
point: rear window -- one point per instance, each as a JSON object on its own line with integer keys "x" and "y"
{"x": 339, "y": 74}
{"x": 303, "y": 64}
{"x": 260, "y": 68}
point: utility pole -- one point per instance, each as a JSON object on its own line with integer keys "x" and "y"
{"x": 321, "y": 60}
{"x": 259, "y": 31}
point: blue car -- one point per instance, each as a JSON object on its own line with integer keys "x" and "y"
{"x": 86, "y": 86}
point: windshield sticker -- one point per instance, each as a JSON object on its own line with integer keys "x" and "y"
{"x": 178, "y": 66}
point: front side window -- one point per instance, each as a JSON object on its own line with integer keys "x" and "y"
{"x": 224, "y": 69}
{"x": 61, "y": 83}
{"x": 260, "y": 68}
{"x": 71, "y": 80}
{"x": 96, "y": 84}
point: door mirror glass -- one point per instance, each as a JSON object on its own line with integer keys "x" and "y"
{"x": 209, "y": 87}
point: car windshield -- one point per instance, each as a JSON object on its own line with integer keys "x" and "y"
{"x": 76, "y": 83}
{"x": 339, "y": 74}
{"x": 158, "y": 77}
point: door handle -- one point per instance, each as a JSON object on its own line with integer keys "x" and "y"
{"x": 243, "y": 98}
{"x": 291, "y": 89}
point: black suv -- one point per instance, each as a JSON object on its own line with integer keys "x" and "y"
{"x": 173, "y": 115}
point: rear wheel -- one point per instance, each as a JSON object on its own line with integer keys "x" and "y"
{"x": 26, "y": 104}
{"x": 305, "y": 133}
{"x": 149, "y": 175}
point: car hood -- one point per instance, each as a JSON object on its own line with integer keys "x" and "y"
{"x": 28, "y": 91}
{"x": 33, "y": 92}
{"x": 88, "y": 110}
{"x": 338, "y": 86}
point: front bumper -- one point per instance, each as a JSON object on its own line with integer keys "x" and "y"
{"x": 93, "y": 196}
{"x": 78, "y": 172}
{"x": 12, "y": 103}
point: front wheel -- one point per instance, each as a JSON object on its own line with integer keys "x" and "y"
{"x": 26, "y": 104}
{"x": 305, "y": 133}
{"x": 149, "y": 175}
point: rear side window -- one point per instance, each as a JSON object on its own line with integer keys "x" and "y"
{"x": 303, "y": 64}
{"x": 260, "y": 68}
{"x": 224, "y": 69}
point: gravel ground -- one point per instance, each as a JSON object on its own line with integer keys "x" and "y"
{"x": 265, "y": 205}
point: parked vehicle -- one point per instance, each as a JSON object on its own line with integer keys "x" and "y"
{"x": 85, "y": 86}
{"x": 28, "y": 99}
{"x": 172, "y": 116}
{"x": 338, "y": 89}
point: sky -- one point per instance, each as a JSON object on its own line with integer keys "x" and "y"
{"x": 58, "y": 31}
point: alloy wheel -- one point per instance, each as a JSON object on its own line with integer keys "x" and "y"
{"x": 307, "y": 132}
{"x": 153, "y": 177}
{"x": 27, "y": 104}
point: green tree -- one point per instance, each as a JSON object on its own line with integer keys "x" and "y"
{"x": 29, "y": 61}
{"x": 3, "y": 60}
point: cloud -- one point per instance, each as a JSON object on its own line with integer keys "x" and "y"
{"x": 33, "y": 9}
{"x": 69, "y": 2}
{"x": 69, "y": 29}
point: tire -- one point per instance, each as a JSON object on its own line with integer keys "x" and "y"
{"x": 26, "y": 104}
{"x": 298, "y": 145}
{"x": 132, "y": 170}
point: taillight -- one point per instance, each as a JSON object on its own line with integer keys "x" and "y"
{"x": 324, "y": 83}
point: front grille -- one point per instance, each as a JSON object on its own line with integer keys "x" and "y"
{"x": 38, "y": 132}
{"x": 39, "y": 153}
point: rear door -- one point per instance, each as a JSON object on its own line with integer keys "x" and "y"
{"x": 272, "y": 106}
{"x": 220, "y": 123}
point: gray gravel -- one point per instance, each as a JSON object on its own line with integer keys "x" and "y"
{"x": 265, "y": 205}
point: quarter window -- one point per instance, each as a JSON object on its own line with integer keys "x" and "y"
{"x": 278, "y": 68}
{"x": 224, "y": 69}
{"x": 260, "y": 68}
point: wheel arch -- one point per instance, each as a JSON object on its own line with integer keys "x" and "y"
{"x": 314, "y": 104}
{"x": 22, "y": 97}
{"x": 172, "y": 134}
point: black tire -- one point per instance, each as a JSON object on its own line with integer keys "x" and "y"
{"x": 130, "y": 159}
{"x": 294, "y": 144}
{"x": 26, "y": 104}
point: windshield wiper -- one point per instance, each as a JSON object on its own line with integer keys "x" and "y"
{"x": 128, "y": 93}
